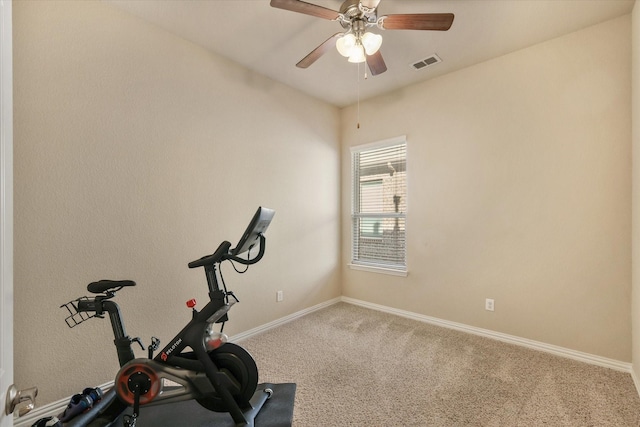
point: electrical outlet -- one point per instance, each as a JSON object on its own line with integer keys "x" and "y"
{"x": 488, "y": 304}
{"x": 279, "y": 296}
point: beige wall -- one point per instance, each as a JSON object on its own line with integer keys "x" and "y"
{"x": 519, "y": 190}
{"x": 137, "y": 152}
{"x": 635, "y": 312}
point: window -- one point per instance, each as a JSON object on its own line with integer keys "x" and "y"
{"x": 379, "y": 206}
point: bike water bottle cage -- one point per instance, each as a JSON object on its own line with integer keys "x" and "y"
{"x": 108, "y": 286}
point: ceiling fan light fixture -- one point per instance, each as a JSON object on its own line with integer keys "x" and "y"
{"x": 371, "y": 42}
{"x": 356, "y": 17}
{"x": 346, "y": 45}
{"x": 357, "y": 55}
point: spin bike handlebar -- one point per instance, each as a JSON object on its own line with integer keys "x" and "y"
{"x": 223, "y": 254}
{"x": 214, "y": 258}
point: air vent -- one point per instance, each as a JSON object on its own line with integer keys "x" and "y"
{"x": 423, "y": 63}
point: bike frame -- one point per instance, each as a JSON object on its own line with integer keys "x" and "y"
{"x": 197, "y": 377}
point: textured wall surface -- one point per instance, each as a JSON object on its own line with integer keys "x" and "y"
{"x": 137, "y": 152}
{"x": 519, "y": 190}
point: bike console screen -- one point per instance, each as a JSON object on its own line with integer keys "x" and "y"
{"x": 258, "y": 225}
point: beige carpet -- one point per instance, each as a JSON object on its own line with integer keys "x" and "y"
{"x": 360, "y": 367}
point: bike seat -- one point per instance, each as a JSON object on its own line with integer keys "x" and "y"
{"x": 101, "y": 286}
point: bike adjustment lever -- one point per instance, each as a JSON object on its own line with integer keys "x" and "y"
{"x": 138, "y": 340}
{"x": 231, "y": 294}
{"x": 155, "y": 344}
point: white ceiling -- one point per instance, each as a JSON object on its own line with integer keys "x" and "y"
{"x": 271, "y": 41}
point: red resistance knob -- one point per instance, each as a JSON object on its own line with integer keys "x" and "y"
{"x": 191, "y": 303}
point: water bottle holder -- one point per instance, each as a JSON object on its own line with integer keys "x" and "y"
{"x": 76, "y": 317}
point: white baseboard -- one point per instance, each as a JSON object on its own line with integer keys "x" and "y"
{"x": 511, "y": 339}
{"x": 255, "y": 331}
{"x": 634, "y": 377}
{"x": 57, "y": 407}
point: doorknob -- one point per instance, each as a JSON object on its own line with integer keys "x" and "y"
{"x": 24, "y": 400}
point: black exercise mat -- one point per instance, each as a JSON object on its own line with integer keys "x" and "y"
{"x": 276, "y": 412}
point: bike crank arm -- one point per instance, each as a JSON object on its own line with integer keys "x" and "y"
{"x": 139, "y": 384}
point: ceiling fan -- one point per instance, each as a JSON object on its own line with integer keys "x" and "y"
{"x": 356, "y": 17}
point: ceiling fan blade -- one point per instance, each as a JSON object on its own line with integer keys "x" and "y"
{"x": 376, "y": 64}
{"x": 306, "y": 8}
{"x": 316, "y": 53}
{"x": 417, "y": 21}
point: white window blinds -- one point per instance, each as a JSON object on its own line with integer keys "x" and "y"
{"x": 379, "y": 204}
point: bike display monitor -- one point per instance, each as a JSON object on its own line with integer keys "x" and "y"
{"x": 257, "y": 226}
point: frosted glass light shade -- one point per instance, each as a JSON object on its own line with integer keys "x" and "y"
{"x": 357, "y": 55}
{"x": 346, "y": 44}
{"x": 371, "y": 42}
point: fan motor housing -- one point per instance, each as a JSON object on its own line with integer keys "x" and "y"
{"x": 350, "y": 9}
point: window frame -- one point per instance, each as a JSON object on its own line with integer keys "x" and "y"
{"x": 372, "y": 266}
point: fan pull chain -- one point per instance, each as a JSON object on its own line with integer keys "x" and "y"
{"x": 366, "y": 76}
{"x": 358, "y": 127}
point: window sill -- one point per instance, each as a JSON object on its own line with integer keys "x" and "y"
{"x": 378, "y": 269}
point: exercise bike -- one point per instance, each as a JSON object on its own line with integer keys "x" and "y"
{"x": 219, "y": 375}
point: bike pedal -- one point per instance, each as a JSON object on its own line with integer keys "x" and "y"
{"x": 129, "y": 421}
